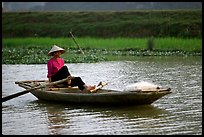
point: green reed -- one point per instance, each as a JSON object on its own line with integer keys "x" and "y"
{"x": 34, "y": 50}
{"x": 168, "y": 43}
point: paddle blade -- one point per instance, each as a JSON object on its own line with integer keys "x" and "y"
{"x": 14, "y": 95}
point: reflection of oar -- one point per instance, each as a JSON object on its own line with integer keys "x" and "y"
{"x": 101, "y": 84}
{"x": 28, "y": 90}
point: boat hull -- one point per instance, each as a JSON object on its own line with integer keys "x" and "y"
{"x": 110, "y": 97}
{"x": 101, "y": 96}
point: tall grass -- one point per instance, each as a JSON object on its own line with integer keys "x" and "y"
{"x": 168, "y": 43}
{"x": 193, "y": 44}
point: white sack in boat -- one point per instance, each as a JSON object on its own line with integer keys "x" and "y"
{"x": 141, "y": 86}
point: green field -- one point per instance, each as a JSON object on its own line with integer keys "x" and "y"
{"x": 34, "y": 50}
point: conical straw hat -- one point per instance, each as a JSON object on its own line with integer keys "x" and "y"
{"x": 54, "y": 49}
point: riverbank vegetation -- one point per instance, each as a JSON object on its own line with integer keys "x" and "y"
{"x": 103, "y": 35}
{"x": 104, "y": 24}
{"x": 34, "y": 50}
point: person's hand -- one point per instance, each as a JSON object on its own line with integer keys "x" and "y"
{"x": 69, "y": 79}
{"x": 51, "y": 86}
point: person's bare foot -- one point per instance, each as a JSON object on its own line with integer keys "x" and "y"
{"x": 89, "y": 88}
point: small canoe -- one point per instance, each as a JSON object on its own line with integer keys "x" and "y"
{"x": 101, "y": 96}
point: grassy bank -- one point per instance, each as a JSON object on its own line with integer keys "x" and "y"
{"x": 34, "y": 50}
{"x": 141, "y": 23}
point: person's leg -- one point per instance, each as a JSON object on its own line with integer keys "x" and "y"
{"x": 61, "y": 74}
{"x": 77, "y": 81}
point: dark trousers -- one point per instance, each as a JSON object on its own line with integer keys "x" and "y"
{"x": 64, "y": 73}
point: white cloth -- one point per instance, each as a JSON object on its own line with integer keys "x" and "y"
{"x": 140, "y": 86}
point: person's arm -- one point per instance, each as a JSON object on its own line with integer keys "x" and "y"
{"x": 49, "y": 79}
{"x": 62, "y": 64}
{"x": 49, "y": 68}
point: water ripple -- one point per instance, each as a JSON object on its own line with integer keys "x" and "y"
{"x": 177, "y": 113}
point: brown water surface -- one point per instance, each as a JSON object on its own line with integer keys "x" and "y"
{"x": 176, "y": 113}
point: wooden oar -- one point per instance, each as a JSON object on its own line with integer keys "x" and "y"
{"x": 76, "y": 43}
{"x": 28, "y": 90}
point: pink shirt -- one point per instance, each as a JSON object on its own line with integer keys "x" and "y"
{"x": 54, "y": 65}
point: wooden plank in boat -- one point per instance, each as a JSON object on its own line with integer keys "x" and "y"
{"x": 30, "y": 81}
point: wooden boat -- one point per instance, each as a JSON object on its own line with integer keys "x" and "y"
{"x": 101, "y": 96}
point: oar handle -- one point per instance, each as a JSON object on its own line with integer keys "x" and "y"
{"x": 28, "y": 90}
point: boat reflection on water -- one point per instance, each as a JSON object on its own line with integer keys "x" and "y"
{"x": 61, "y": 118}
{"x": 56, "y": 121}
